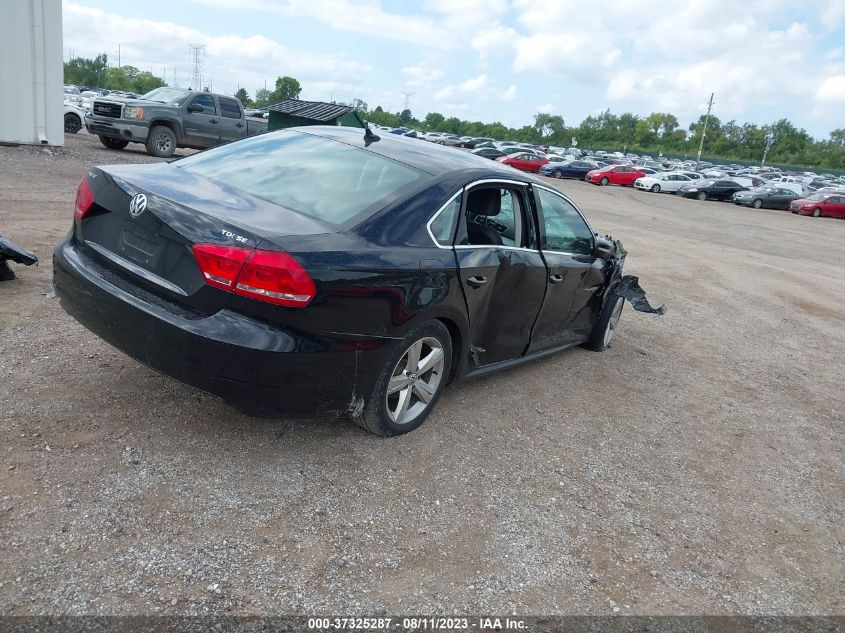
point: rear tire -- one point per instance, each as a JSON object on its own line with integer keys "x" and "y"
{"x": 411, "y": 383}
{"x": 655, "y": 188}
{"x": 817, "y": 212}
{"x": 161, "y": 142}
{"x": 605, "y": 327}
{"x": 72, "y": 123}
{"x": 702, "y": 196}
{"x": 604, "y": 181}
{"x": 113, "y": 143}
{"x": 757, "y": 203}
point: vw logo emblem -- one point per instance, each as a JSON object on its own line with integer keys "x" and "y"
{"x": 137, "y": 205}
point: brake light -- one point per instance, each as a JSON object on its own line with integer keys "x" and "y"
{"x": 268, "y": 276}
{"x": 220, "y": 264}
{"x": 84, "y": 199}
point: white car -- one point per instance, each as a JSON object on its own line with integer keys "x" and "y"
{"x": 666, "y": 181}
{"x": 74, "y": 116}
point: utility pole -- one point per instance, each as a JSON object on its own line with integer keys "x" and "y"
{"x": 770, "y": 139}
{"x": 704, "y": 131}
{"x": 196, "y": 54}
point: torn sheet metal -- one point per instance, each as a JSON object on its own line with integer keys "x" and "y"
{"x": 630, "y": 289}
{"x": 11, "y": 251}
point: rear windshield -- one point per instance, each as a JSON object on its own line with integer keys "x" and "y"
{"x": 311, "y": 175}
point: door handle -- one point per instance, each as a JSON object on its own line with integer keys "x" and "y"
{"x": 213, "y": 121}
{"x": 555, "y": 279}
{"x": 239, "y": 124}
{"x": 477, "y": 281}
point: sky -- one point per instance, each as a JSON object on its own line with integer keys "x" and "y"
{"x": 497, "y": 60}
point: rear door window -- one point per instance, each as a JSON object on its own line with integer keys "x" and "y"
{"x": 229, "y": 108}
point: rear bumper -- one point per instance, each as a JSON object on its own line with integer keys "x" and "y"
{"x": 114, "y": 128}
{"x": 259, "y": 368}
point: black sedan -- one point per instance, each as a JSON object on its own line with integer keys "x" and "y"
{"x": 322, "y": 270}
{"x": 572, "y": 169}
{"x": 488, "y": 152}
{"x": 766, "y": 198}
{"x": 710, "y": 189}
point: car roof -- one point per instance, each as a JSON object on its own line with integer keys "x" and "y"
{"x": 431, "y": 158}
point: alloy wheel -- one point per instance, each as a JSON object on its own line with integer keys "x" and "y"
{"x": 415, "y": 380}
{"x": 614, "y": 321}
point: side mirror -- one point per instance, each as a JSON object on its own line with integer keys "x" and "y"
{"x": 604, "y": 248}
{"x": 195, "y": 108}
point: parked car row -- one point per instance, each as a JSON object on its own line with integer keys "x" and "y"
{"x": 758, "y": 187}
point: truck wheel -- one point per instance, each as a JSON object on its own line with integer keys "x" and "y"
{"x": 113, "y": 143}
{"x": 72, "y": 123}
{"x": 161, "y": 141}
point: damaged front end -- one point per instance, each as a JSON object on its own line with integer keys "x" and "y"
{"x": 627, "y": 286}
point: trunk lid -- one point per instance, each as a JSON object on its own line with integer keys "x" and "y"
{"x": 147, "y": 218}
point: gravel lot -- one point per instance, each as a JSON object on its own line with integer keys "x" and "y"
{"x": 697, "y": 467}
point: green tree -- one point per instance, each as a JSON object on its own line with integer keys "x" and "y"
{"x": 146, "y": 81}
{"x": 405, "y": 116}
{"x": 243, "y": 96}
{"x": 262, "y": 97}
{"x": 433, "y": 120}
{"x": 286, "y": 88}
{"x": 549, "y": 127}
{"x": 87, "y": 72}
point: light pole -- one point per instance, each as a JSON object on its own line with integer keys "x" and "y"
{"x": 770, "y": 139}
{"x": 704, "y": 131}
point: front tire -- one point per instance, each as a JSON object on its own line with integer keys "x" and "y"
{"x": 757, "y": 203}
{"x": 558, "y": 174}
{"x": 161, "y": 142}
{"x": 655, "y": 188}
{"x": 411, "y": 383}
{"x": 702, "y": 196}
{"x": 605, "y": 327}
{"x": 72, "y": 123}
{"x": 604, "y": 181}
{"x": 817, "y": 212}
{"x": 113, "y": 143}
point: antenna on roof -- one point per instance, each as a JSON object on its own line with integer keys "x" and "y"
{"x": 369, "y": 137}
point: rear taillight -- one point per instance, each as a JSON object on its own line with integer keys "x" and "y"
{"x": 84, "y": 199}
{"x": 264, "y": 275}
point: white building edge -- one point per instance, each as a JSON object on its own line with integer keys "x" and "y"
{"x": 31, "y": 72}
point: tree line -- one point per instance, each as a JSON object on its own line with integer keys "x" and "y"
{"x": 96, "y": 72}
{"x": 657, "y": 132}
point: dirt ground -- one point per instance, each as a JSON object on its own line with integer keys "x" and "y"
{"x": 697, "y": 467}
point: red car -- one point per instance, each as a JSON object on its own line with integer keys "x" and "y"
{"x": 829, "y": 204}
{"x": 614, "y": 175}
{"x": 524, "y": 162}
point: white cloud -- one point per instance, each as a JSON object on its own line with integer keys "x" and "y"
{"x": 494, "y": 42}
{"x": 510, "y": 93}
{"x": 475, "y": 84}
{"x": 832, "y": 90}
{"x": 229, "y": 60}
{"x": 546, "y": 108}
{"x": 421, "y": 74}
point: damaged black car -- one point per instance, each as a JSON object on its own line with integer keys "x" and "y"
{"x": 327, "y": 271}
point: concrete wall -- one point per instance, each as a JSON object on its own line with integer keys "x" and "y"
{"x": 31, "y": 72}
